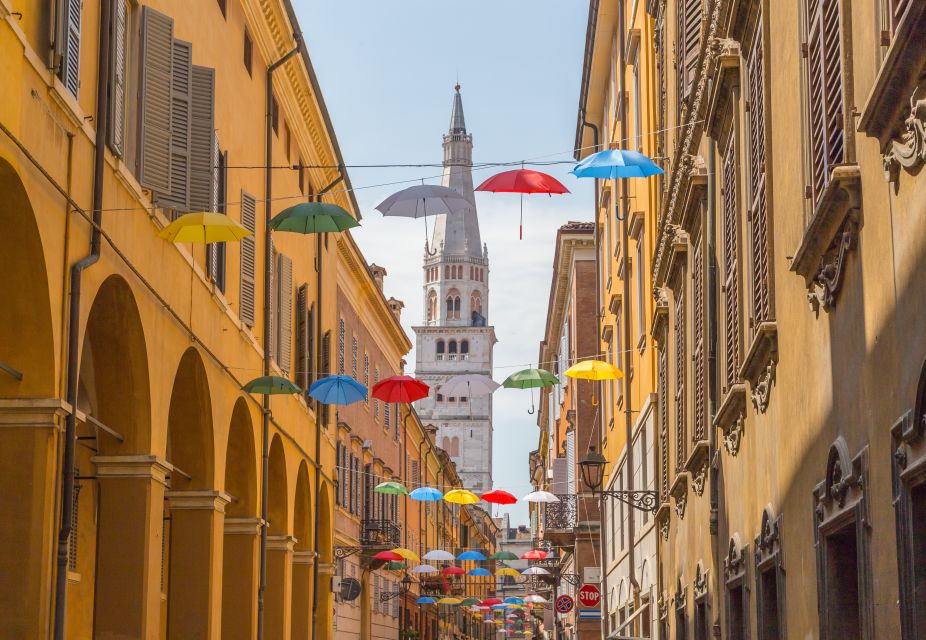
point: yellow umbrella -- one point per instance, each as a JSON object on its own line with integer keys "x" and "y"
{"x": 594, "y": 370}
{"x": 204, "y": 227}
{"x": 407, "y": 554}
{"x": 508, "y": 571}
{"x": 461, "y": 496}
{"x": 449, "y": 601}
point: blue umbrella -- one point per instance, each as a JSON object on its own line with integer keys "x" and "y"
{"x": 427, "y": 494}
{"x": 425, "y": 600}
{"x": 616, "y": 163}
{"x": 499, "y": 606}
{"x": 479, "y": 571}
{"x": 338, "y": 390}
{"x": 514, "y": 600}
{"x": 471, "y": 555}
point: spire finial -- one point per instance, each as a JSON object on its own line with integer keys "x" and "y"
{"x": 457, "y": 86}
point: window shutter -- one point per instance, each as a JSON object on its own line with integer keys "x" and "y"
{"x": 310, "y": 354}
{"x": 70, "y": 51}
{"x": 688, "y": 44}
{"x": 155, "y": 100}
{"x": 202, "y": 149}
{"x": 302, "y": 296}
{"x": 680, "y": 374}
{"x": 117, "y": 79}
{"x": 248, "y": 259}
{"x": 571, "y": 463}
{"x": 662, "y": 389}
{"x": 284, "y": 294}
{"x": 731, "y": 312}
{"x": 178, "y": 197}
{"x": 699, "y": 431}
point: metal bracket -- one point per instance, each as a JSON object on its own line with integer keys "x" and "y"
{"x": 345, "y": 552}
{"x": 571, "y": 578}
{"x": 391, "y": 595}
{"x": 642, "y": 500}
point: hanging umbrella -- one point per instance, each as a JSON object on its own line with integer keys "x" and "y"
{"x": 535, "y": 599}
{"x": 488, "y": 602}
{"x": 508, "y": 571}
{"x": 535, "y": 571}
{"x": 335, "y": 389}
{"x": 616, "y": 163}
{"x": 425, "y": 600}
{"x": 488, "y": 621}
{"x": 449, "y": 601}
{"x": 313, "y": 217}
{"x": 523, "y": 181}
{"x": 391, "y": 488}
{"x": 461, "y": 496}
{"x": 540, "y": 496}
{"x": 422, "y": 201}
{"x": 400, "y": 389}
{"x": 426, "y": 494}
{"x": 472, "y": 555}
{"x": 500, "y": 606}
{"x": 394, "y": 565}
{"x": 388, "y": 555}
{"x": 408, "y": 554}
{"x": 271, "y": 385}
{"x": 514, "y": 600}
{"x": 530, "y": 379}
{"x": 497, "y": 496}
{"x": 479, "y": 572}
{"x": 594, "y": 370}
{"x": 471, "y": 385}
{"x": 204, "y": 228}
{"x": 534, "y": 554}
{"x": 424, "y": 568}
{"x": 468, "y": 602}
{"x": 452, "y": 571}
{"x": 503, "y": 555}
{"x": 439, "y": 555}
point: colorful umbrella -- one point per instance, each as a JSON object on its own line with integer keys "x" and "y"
{"x": 507, "y": 571}
{"x": 425, "y": 600}
{"x": 540, "y": 496}
{"x": 408, "y": 554}
{"x": 470, "y": 385}
{"x": 472, "y": 555}
{"x": 534, "y": 554}
{"x": 530, "y": 379}
{"x": 468, "y": 602}
{"x": 514, "y": 600}
{"x": 422, "y": 201}
{"x": 497, "y": 496}
{"x": 439, "y": 555}
{"x": 488, "y": 602}
{"x": 535, "y": 599}
{"x": 523, "y": 181}
{"x": 452, "y": 571}
{"x": 503, "y": 555}
{"x": 271, "y": 385}
{"x": 395, "y": 566}
{"x": 594, "y": 370}
{"x": 479, "y": 572}
{"x": 461, "y": 496}
{"x": 426, "y": 494}
{"x": 335, "y": 389}
{"x": 424, "y": 568}
{"x": 204, "y": 228}
{"x": 388, "y": 555}
{"x": 616, "y": 163}
{"x": 535, "y": 571}
{"x": 400, "y": 389}
{"x": 449, "y": 601}
{"x": 391, "y": 488}
{"x": 313, "y": 217}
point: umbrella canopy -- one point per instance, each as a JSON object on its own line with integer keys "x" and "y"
{"x": 616, "y": 163}
{"x": 203, "y": 228}
{"x": 514, "y": 600}
{"x": 535, "y": 571}
{"x": 488, "y": 602}
{"x": 497, "y": 496}
{"x": 461, "y": 496}
{"x": 425, "y": 600}
{"x": 426, "y": 494}
{"x": 388, "y": 555}
{"x": 523, "y": 181}
{"x": 503, "y": 555}
{"x": 423, "y": 200}
{"x": 313, "y": 217}
{"x": 530, "y": 379}
{"x": 394, "y": 565}
{"x": 424, "y": 568}
{"x": 439, "y": 555}
{"x": 500, "y": 606}
{"x": 408, "y": 554}
{"x": 534, "y": 554}
{"x": 400, "y": 389}
{"x": 594, "y": 370}
{"x": 338, "y": 390}
{"x": 469, "y": 386}
{"x": 540, "y": 496}
{"x": 391, "y": 488}
{"x": 271, "y": 385}
{"x": 479, "y": 572}
{"x": 452, "y": 571}
{"x": 468, "y": 602}
{"x": 472, "y": 555}
{"x": 489, "y": 621}
{"x": 508, "y": 571}
{"x": 535, "y": 599}
{"x": 449, "y": 601}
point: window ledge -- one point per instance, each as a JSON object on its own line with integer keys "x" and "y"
{"x": 830, "y": 236}
{"x": 730, "y": 417}
{"x": 696, "y": 465}
{"x": 760, "y": 363}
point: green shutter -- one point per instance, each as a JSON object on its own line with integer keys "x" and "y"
{"x": 155, "y": 99}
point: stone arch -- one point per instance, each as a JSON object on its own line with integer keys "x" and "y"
{"x": 301, "y": 595}
{"x": 277, "y": 511}
{"x": 241, "y": 464}
{"x": 190, "y": 444}
{"x": 432, "y": 305}
{"x": 441, "y": 346}
{"x": 325, "y": 558}
{"x": 277, "y": 620}
{"x": 464, "y": 346}
{"x": 455, "y": 446}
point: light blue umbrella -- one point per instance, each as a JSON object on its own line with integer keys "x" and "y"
{"x": 426, "y": 494}
{"x": 338, "y": 390}
{"x": 616, "y": 163}
{"x": 479, "y": 571}
{"x": 514, "y": 600}
{"x": 425, "y": 600}
{"x": 471, "y": 555}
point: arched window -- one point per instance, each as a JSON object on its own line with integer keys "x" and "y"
{"x": 455, "y": 446}
{"x": 453, "y": 346}
{"x": 445, "y": 444}
{"x": 464, "y": 346}
{"x": 456, "y": 307}
{"x": 432, "y": 306}
{"x": 440, "y": 346}
{"x": 453, "y": 304}
{"x": 449, "y": 306}
{"x": 446, "y": 271}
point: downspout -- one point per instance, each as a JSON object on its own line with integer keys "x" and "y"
{"x": 77, "y": 269}
{"x": 268, "y": 275}
{"x": 315, "y": 362}
{"x": 712, "y": 348}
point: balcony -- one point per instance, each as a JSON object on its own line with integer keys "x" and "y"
{"x": 380, "y": 533}
{"x": 560, "y": 519}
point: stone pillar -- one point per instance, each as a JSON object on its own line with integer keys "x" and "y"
{"x": 129, "y": 544}
{"x": 302, "y": 595}
{"x": 196, "y": 537}
{"x": 324, "y": 617}
{"x": 241, "y": 562}
{"x": 29, "y": 436}
{"x": 279, "y": 587}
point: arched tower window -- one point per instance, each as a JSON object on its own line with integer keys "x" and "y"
{"x": 453, "y": 304}
{"x": 432, "y": 306}
{"x": 464, "y": 346}
{"x": 440, "y": 346}
{"x": 455, "y": 447}
{"x": 453, "y": 346}
{"x": 446, "y": 272}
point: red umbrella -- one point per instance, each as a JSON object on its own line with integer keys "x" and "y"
{"x": 453, "y": 571}
{"x": 388, "y": 555}
{"x": 536, "y": 554}
{"x": 400, "y": 389}
{"x": 523, "y": 181}
{"x": 488, "y": 602}
{"x": 497, "y": 496}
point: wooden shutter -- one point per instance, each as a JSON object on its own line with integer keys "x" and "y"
{"x": 202, "y": 150}
{"x": 181, "y": 115}
{"x": 248, "y": 259}
{"x": 731, "y": 312}
{"x": 698, "y": 346}
{"x": 688, "y": 45}
{"x": 271, "y": 341}
{"x": 116, "y": 124}
{"x": 70, "y": 45}
{"x": 310, "y": 372}
{"x": 341, "y": 339}
{"x": 284, "y": 295}
{"x": 302, "y": 312}
{"x": 681, "y": 365}
{"x": 662, "y": 388}
{"x": 157, "y": 37}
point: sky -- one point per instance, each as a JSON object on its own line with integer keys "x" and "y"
{"x": 387, "y": 70}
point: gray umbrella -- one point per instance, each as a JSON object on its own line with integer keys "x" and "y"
{"x": 421, "y": 201}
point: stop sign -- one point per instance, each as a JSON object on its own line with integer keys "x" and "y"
{"x": 589, "y": 596}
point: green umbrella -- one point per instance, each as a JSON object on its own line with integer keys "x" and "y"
{"x": 395, "y": 565}
{"x": 313, "y": 217}
{"x": 468, "y": 602}
{"x": 503, "y": 555}
{"x": 391, "y": 488}
{"x": 271, "y": 385}
{"x": 530, "y": 379}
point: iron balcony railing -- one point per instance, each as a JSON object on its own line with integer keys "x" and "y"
{"x": 380, "y": 533}
{"x": 561, "y": 515}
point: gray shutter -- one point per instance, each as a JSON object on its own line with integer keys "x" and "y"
{"x": 248, "y": 259}
{"x": 285, "y": 312}
{"x": 271, "y": 340}
{"x": 212, "y": 249}
{"x": 181, "y": 115}
{"x": 202, "y": 152}
{"x": 302, "y": 321}
{"x": 157, "y": 38}
{"x": 117, "y": 79}
{"x": 70, "y": 50}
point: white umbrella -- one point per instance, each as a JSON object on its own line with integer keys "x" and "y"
{"x": 535, "y": 599}
{"x": 535, "y": 571}
{"x": 471, "y": 385}
{"x": 423, "y": 200}
{"x": 439, "y": 555}
{"x": 540, "y": 496}
{"x": 424, "y": 568}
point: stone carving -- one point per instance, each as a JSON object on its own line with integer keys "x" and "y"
{"x": 697, "y": 480}
{"x": 681, "y": 501}
{"x": 910, "y": 151}
{"x": 762, "y": 389}
{"x": 700, "y": 582}
{"x": 734, "y": 565}
{"x": 828, "y": 279}
{"x": 733, "y": 436}
{"x": 664, "y": 529}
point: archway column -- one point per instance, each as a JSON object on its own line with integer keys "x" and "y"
{"x": 196, "y": 537}
{"x": 239, "y": 578}
{"x": 324, "y": 621}
{"x": 302, "y": 595}
{"x": 277, "y": 599}
{"x": 129, "y": 545}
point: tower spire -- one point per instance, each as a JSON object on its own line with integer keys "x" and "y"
{"x": 457, "y": 122}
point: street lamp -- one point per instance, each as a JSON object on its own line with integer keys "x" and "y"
{"x": 592, "y": 466}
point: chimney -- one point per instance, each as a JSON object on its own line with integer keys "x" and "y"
{"x": 396, "y": 307}
{"x": 378, "y": 274}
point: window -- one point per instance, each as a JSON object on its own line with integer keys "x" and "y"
{"x": 283, "y": 353}
{"x": 375, "y": 400}
{"x": 681, "y": 615}
{"x": 275, "y": 115}
{"x": 354, "y": 348}
{"x": 464, "y": 346}
{"x": 440, "y": 397}
{"x": 117, "y": 79}
{"x": 681, "y": 368}
{"x": 699, "y": 432}
{"x": 769, "y": 578}
{"x": 734, "y": 569}
{"x": 69, "y": 47}
{"x": 688, "y": 46}
{"x": 216, "y": 251}
{"x": 729, "y": 196}
{"x": 440, "y": 346}
{"x": 248, "y": 51}
{"x": 341, "y": 338}
{"x": 637, "y": 103}
{"x": 452, "y": 347}
{"x": 662, "y": 389}
{"x": 286, "y": 140}
{"x": 366, "y": 373}
{"x": 891, "y": 13}
{"x": 432, "y": 306}
{"x": 640, "y": 264}
{"x": 248, "y": 259}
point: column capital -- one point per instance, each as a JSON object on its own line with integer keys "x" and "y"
{"x": 326, "y": 568}
{"x": 281, "y": 543}
{"x": 304, "y": 557}
{"x": 242, "y": 526}
{"x": 206, "y": 499}
{"x": 33, "y": 413}
{"x": 136, "y": 466}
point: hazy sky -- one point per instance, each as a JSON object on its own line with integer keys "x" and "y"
{"x": 387, "y": 70}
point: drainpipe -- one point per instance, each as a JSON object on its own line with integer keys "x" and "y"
{"x": 77, "y": 269}
{"x": 268, "y": 275}
{"x": 712, "y": 346}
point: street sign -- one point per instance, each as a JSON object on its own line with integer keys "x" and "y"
{"x": 589, "y": 596}
{"x": 564, "y": 604}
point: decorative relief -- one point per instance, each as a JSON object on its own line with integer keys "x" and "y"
{"x": 762, "y": 389}
{"x": 768, "y": 542}
{"x": 681, "y": 501}
{"x": 700, "y": 581}
{"x": 664, "y": 529}
{"x": 828, "y": 279}
{"x": 697, "y": 480}
{"x": 844, "y": 484}
{"x": 909, "y": 152}
{"x": 734, "y": 435}
{"x": 734, "y": 565}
